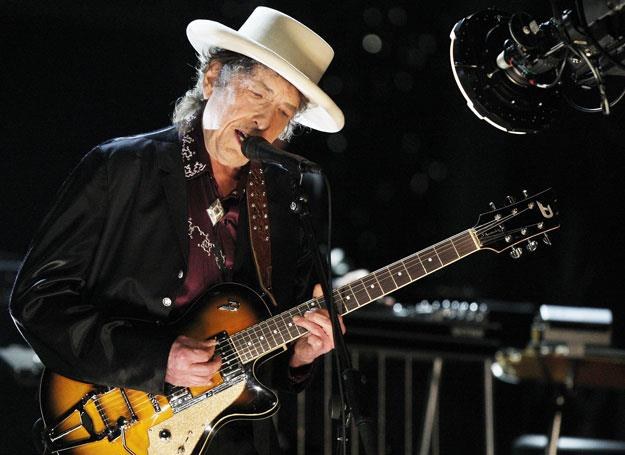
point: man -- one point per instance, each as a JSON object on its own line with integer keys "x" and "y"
{"x": 146, "y": 224}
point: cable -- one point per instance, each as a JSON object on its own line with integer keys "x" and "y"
{"x": 558, "y": 73}
{"x": 605, "y": 105}
{"x": 592, "y": 110}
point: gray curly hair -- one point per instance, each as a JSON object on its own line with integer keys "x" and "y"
{"x": 232, "y": 64}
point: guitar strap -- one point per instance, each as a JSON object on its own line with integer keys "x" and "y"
{"x": 258, "y": 222}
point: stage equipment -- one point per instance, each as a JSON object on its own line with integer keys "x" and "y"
{"x": 444, "y": 332}
{"x": 447, "y": 330}
{"x": 514, "y": 72}
{"x": 569, "y": 347}
{"x": 446, "y": 326}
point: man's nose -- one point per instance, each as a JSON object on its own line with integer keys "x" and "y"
{"x": 267, "y": 125}
{"x": 262, "y": 119}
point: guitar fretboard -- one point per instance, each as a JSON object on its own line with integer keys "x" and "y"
{"x": 266, "y": 336}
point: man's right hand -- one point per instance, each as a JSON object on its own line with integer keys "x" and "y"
{"x": 191, "y": 362}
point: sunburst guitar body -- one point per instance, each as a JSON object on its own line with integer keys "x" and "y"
{"x": 87, "y": 419}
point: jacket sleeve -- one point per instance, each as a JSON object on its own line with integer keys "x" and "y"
{"x": 54, "y": 305}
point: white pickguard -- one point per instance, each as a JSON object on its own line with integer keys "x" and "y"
{"x": 187, "y": 426}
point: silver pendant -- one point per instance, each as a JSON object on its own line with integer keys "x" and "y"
{"x": 215, "y": 211}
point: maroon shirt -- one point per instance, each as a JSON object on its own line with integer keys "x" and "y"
{"x": 211, "y": 248}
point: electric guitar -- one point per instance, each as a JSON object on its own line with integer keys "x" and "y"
{"x": 81, "y": 418}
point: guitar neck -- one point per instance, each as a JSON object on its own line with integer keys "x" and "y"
{"x": 262, "y": 338}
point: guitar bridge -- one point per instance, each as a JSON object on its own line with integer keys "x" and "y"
{"x": 96, "y": 416}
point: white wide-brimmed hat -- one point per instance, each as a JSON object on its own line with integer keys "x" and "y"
{"x": 286, "y": 46}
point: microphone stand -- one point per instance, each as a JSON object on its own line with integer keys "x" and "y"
{"x": 350, "y": 381}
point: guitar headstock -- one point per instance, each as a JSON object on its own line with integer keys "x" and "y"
{"x": 519, "y": 224}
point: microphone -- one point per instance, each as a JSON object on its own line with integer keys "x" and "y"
{"x": 257, "y": 148}
{"x": 514, "y": 72}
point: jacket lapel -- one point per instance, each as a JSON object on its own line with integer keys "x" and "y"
{"x": 174, "y": 186}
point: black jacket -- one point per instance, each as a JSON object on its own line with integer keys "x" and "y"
{"x": 90, "y": 295}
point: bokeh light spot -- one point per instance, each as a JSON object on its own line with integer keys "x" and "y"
{"x": 437, "y": 171}
{"x": 372, "y": 43}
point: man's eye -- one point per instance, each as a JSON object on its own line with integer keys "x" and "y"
{"x": 256, "y": 94}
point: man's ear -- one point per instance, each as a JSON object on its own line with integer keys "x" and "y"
{"x": 210, "y": 78}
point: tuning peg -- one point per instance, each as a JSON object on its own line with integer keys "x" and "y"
{"x": 525, "y": 195}
{"x": 492, "y": 206}
{"x": 510, "y": 200}
{"x": 546, "y": 240}
{"x": 531, "y": 246}
{"x": 515, "y": 253}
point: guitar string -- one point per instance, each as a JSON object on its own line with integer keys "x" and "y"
{"x": 355, "y": 289}
{"x": 445, "y": 246}
{"x": 455, "y": 243}
{"x": 409, "y": 262}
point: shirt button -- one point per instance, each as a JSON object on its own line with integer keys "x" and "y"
{"x": 166, "y": 301}
{"x": 180, "y": 274}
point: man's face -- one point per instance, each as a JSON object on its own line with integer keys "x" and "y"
{"x": 259, "y": 103}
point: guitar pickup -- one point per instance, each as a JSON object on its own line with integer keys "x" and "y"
{"x": 231, "y": 366}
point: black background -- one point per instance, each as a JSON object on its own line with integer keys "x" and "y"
{"x": 412, "y": 166}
